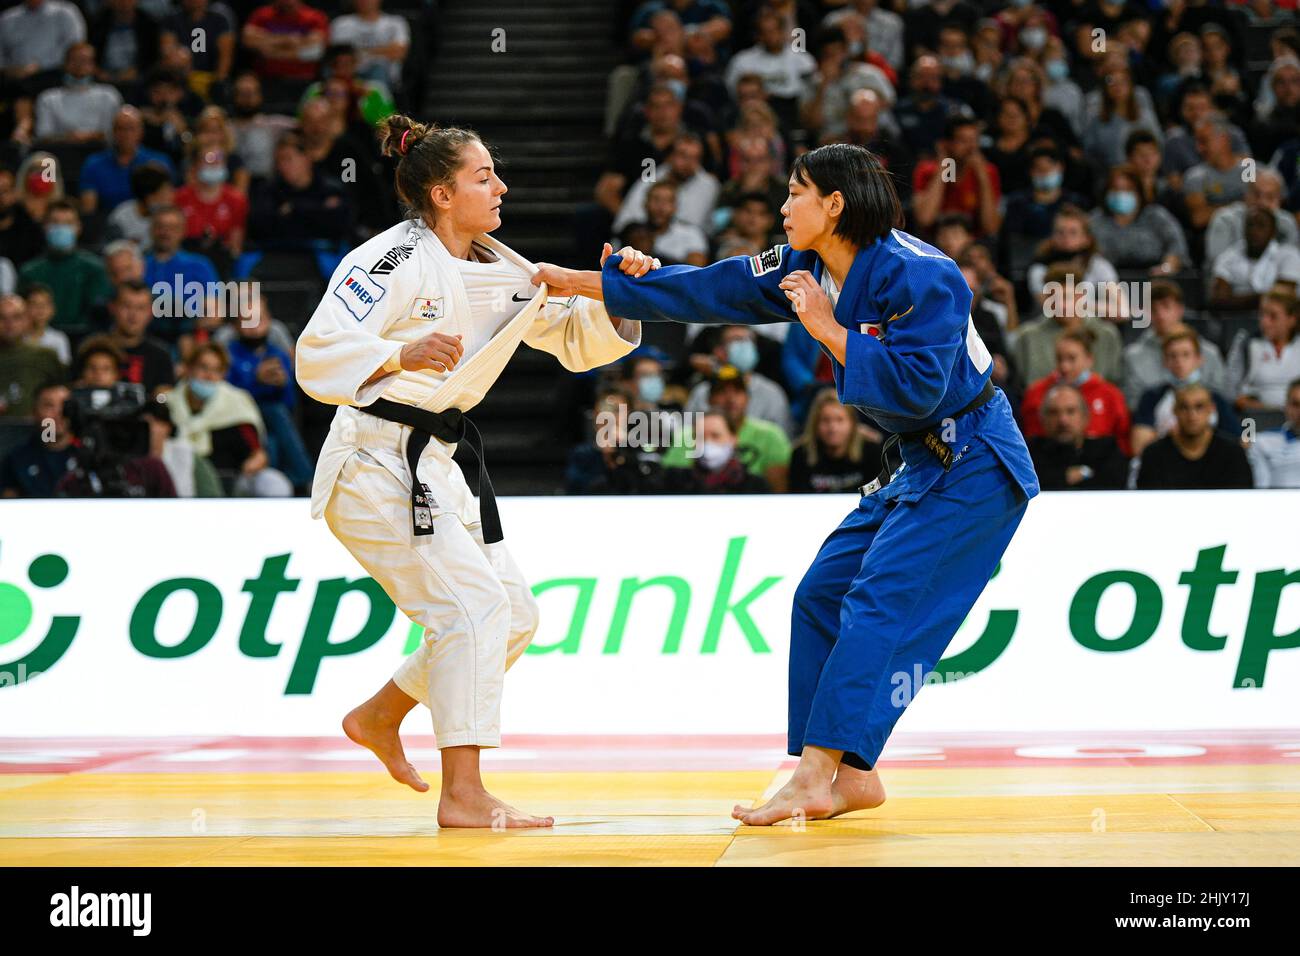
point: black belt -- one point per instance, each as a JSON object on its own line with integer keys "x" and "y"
{"x": 930, "y": 437}
{"x": 452, "y": 427}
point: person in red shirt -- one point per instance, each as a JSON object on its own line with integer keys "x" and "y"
{"x": 959, "y": 179}
{"x": 1108, "y": 415}
{"x": 215, "y": 211}
{"x": 289, "y": 38}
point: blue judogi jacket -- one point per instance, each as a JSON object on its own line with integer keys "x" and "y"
{"x": 912, "y": 359}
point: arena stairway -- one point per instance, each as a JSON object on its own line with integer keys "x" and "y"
{"x": 540, "y": 104}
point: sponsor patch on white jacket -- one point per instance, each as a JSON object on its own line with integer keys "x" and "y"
{"x": 359, "y": 293}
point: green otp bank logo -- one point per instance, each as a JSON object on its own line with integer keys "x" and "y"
{"x": 727, "y": 600}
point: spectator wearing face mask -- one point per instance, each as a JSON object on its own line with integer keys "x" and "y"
{"x": 1065, "y": 458}
{"x": 608, "y": 463}
{"x": 1154, "y": 417}
{"x": 763, "y": 446}
{"x": 1133, "y": 233}
{"x": 1031, "y": 212}
{"x": 81, "y": 111}
{"x": 718, "y": 468}
{"x": 151, "y": 185}
{"x": 989, "y": 324}
{"x": 738, "y": 347}
{"x": 76, "y": 276}
{"x": 836, "y": 452}
{"x": 192, "y": 475}
{"x": 221, "y": 423}
{"x": 1193, "y": 455}
{"x": 1275, "y": 455}
{"x": 216, "y": 213}
{"x": 266, "y": 372}
{"x": 1107, "y": 413}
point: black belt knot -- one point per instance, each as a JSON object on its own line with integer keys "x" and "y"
{"x": 453, "y": 428}
{"x": 929, "y": 437}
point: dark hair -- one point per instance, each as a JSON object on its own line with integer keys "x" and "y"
{"x": 1161, "y": 290}
{"x": 1082, "y": 336}
{"x": 1137, "y": 138}
{"x": 956, "y": 122}
{"x": 97, "y": 345}
{"x": 62, "y": 205}
{"x": 871, "y": 204}
{"x": 1050, "y": 152}
{"x": 954, "y": 219}
{"x": 130, "y": 285}
{"x": 429, "y": 156}
{"x": 148, "y": 178}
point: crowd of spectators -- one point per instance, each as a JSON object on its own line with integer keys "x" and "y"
{"x": 1118, "y": 180}
{"x": 149, "y": 144}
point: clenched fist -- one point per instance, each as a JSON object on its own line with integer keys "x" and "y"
{"x": 436, "y": 351}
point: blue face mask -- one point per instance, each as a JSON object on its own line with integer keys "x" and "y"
{"x": 650, "y": 388}
{"x": 1121, "y": 203}
{"x": 1058, "y": 69}
{"x": 61, "y": 237}
{"x": 212, "y": 175}
{"x": 743, "y": 354}
{"x": 1083, "y": 377}
{"x": 202, "y": 389}
{"x": 1191, "y": 379}
{"x": 1048, "y": 182}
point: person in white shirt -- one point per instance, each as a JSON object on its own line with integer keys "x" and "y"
{"x": 672, "y": 239}
{"x": 697, "y": 189}
{"x": 81, "y": 111}
{"x": 774, "y": 58}
{"x": 380, "y": 39}
{"x": 1255, "y": 264}
{"x": 416, "y": 326}
{"x": 1263, "y": 367}
{"x": 1275, "y": 455}
{"x": 35, "y": 36}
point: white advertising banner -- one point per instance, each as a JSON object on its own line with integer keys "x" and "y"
{"x": 1110, "y": 611}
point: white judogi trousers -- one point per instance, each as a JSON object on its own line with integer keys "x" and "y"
{"x": 476, "y": 609}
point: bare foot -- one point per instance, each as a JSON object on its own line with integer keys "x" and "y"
{"x": 478, "y": 808}
{"x": 855, "y": 789}
{"x": 810, "y": 801}
{"x": 370, "y": 728}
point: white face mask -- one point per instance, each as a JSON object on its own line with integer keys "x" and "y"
{"x": 713, "y": 454}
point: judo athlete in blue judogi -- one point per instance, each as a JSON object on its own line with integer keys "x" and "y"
{"x": 891, "y": 585}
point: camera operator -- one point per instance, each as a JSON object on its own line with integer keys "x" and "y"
{"x": 110, "y": 437}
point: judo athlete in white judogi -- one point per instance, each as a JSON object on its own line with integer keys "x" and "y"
{"x": 416, "y": 325}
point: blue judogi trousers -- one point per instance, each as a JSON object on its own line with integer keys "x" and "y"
{"x": 883, "y": 599}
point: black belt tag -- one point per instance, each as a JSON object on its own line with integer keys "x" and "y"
{"x": 422, "y": 504}
{"x": 939, "y": 448}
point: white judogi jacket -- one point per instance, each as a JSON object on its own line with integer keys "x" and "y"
{"x": 399, "y": 287}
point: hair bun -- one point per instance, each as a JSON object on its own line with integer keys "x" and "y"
{"x": 399, "y": 134}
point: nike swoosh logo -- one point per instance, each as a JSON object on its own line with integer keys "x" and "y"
{"x": 527, "y": 298}
{"x": 899, "y": 315}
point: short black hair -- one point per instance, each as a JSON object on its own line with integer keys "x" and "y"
{"x": 1137, "y": 138}
{"x": 955, "y": 122}
{"x": 871, "y": 204}
{"x": 959, "y": 219}
{"x": 1038, "y": 152}
{"x": 148, "y": 178}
